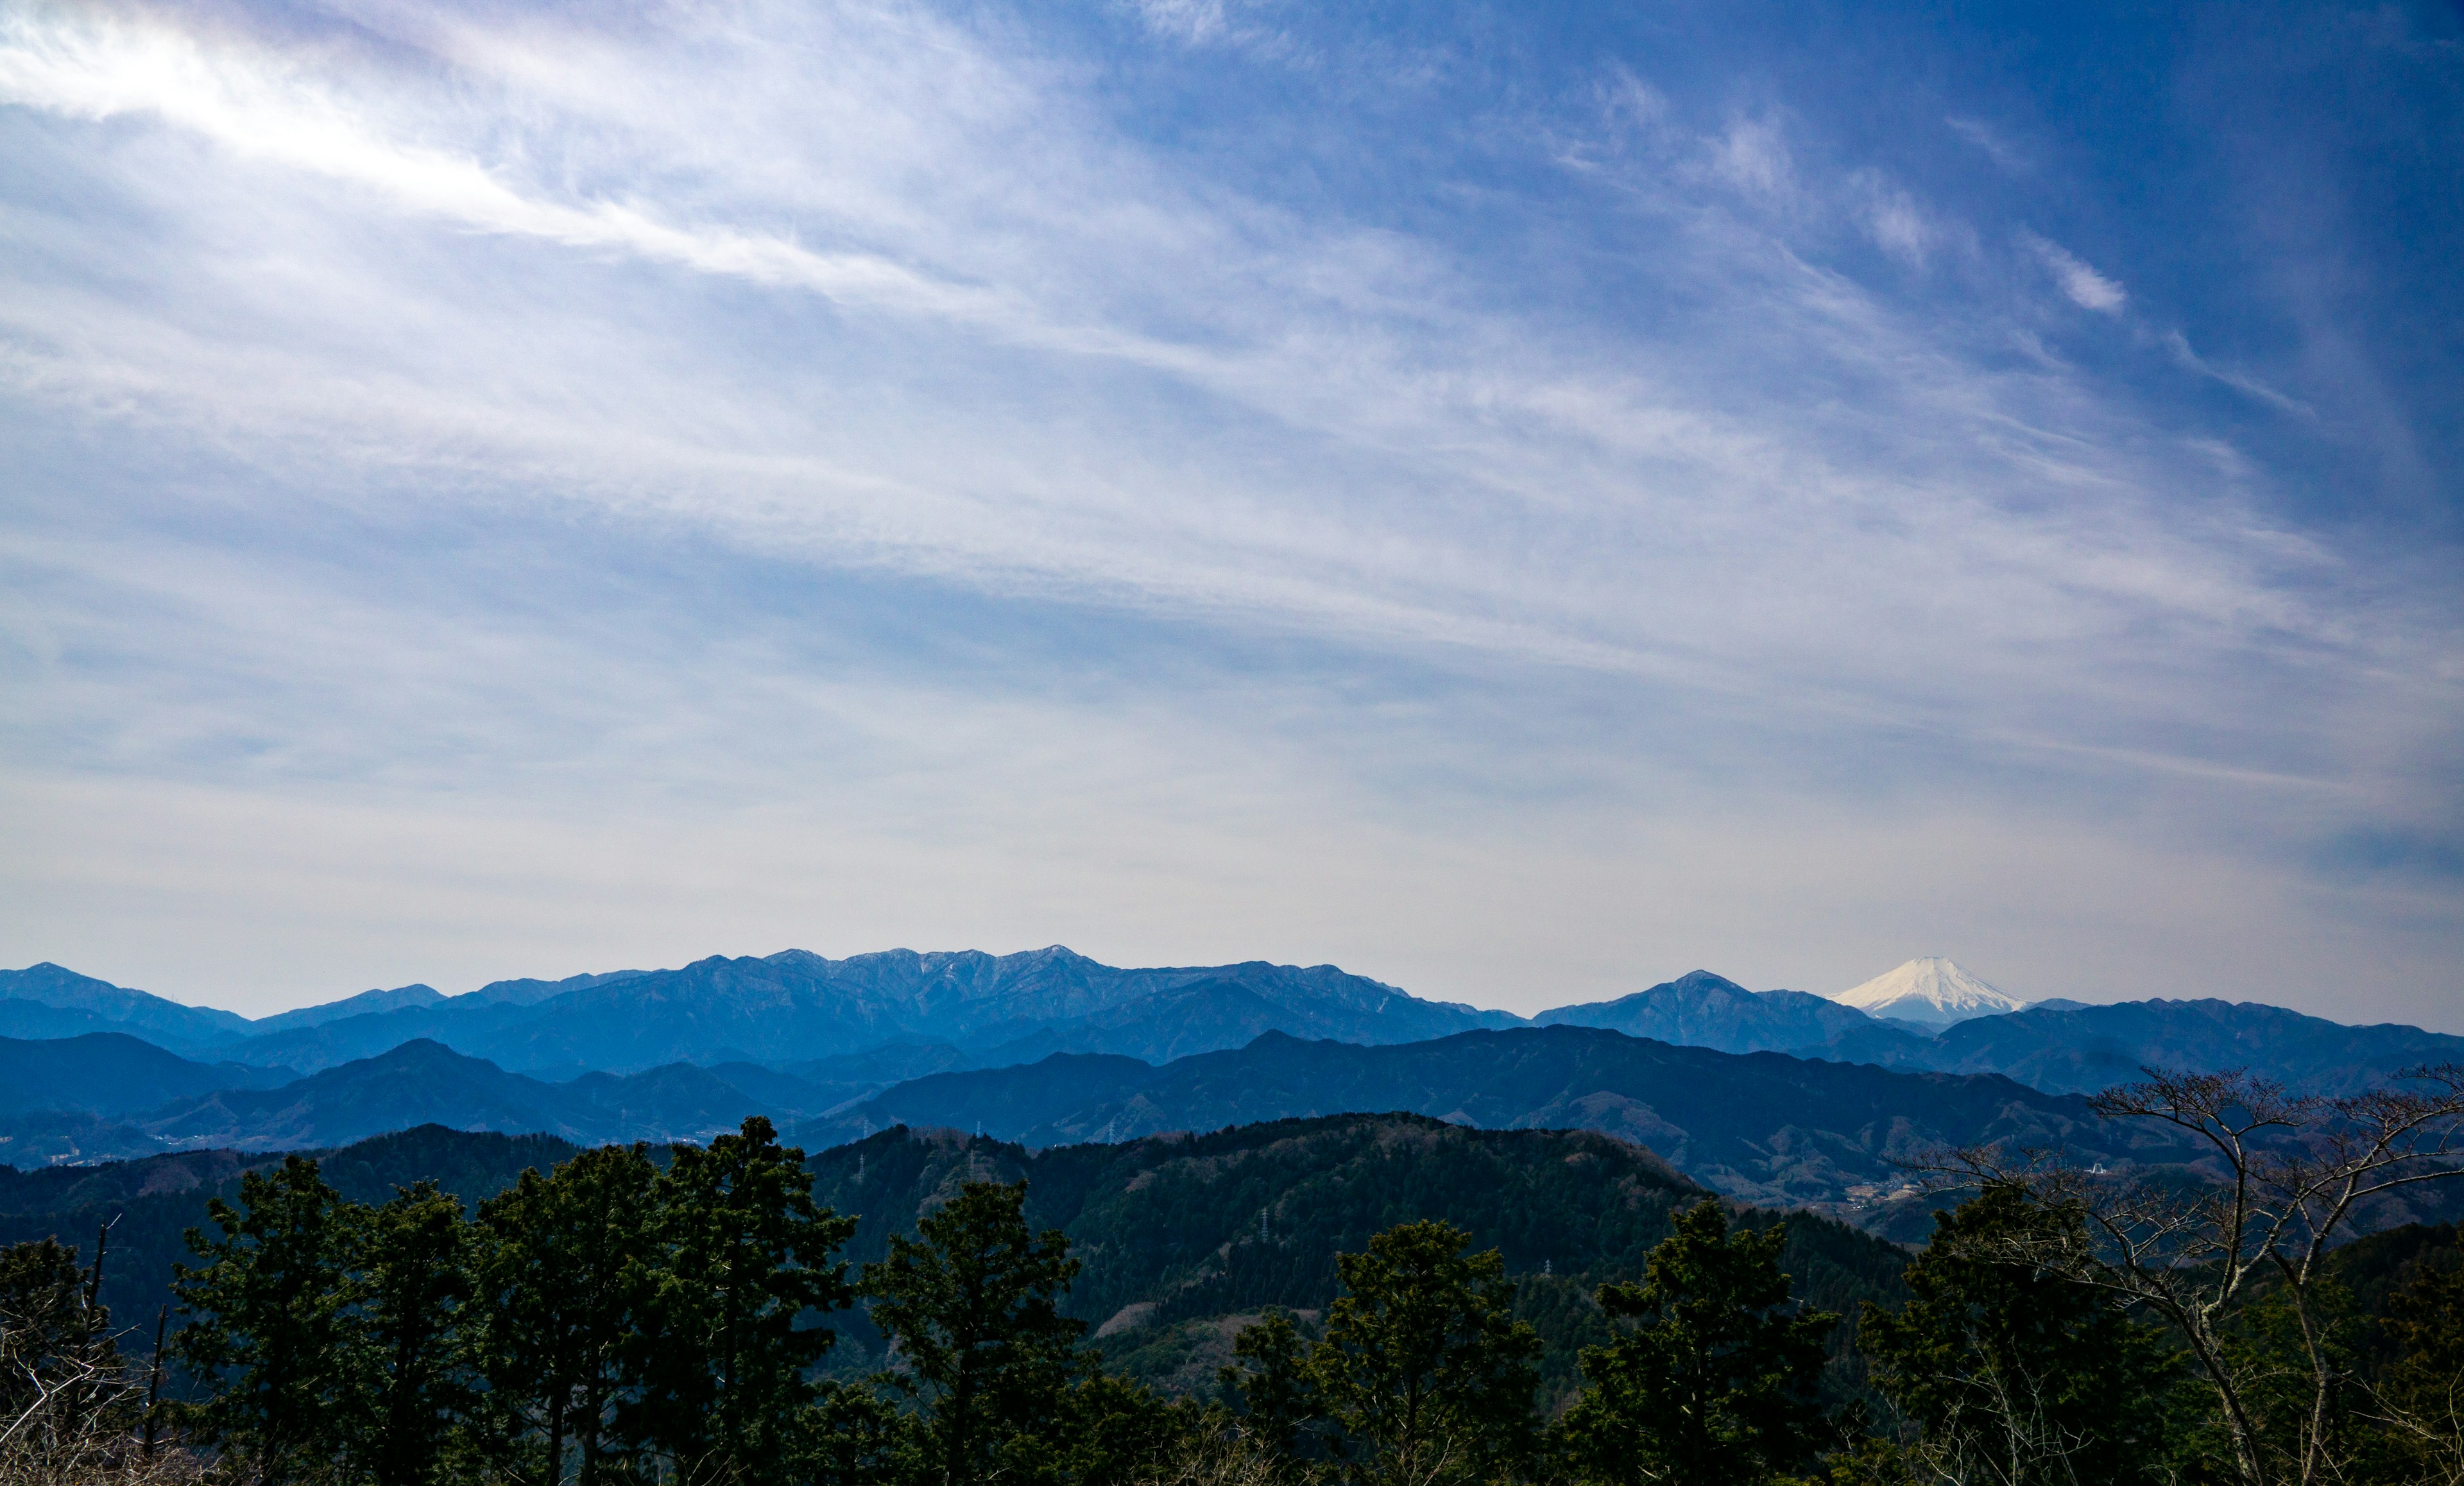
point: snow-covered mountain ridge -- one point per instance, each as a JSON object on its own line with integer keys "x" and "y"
{"x": 1930, "y": 989}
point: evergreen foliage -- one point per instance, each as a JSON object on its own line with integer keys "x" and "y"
{"x": 270, "y": 1333}
{"x": 2420, "y": 1404}
{"x": 563, "y": 1274}
{"x": 642, "y": 1318}
{"x": 412, "y": 1293}
{"x": 743, "y": 1254}
{"x": 2010, "y": 1373}
{"x": 1423, "y": 1377}
{"x": 1717, "y": 1380}
{"x": 970, "y": 1309}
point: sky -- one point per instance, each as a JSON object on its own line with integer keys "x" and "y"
{"x": 1519, "y": 501}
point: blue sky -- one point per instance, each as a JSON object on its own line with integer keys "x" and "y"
{"x": 1519, "y": 501}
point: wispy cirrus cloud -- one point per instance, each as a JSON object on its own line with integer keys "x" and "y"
{"x": 2001, "y": 151}
{"x": 885, "y": 295}
{"x": 2081, "y": 284}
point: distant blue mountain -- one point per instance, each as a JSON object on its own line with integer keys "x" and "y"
{"x": 98, "y": 1005}
{"x": 796, "y": 1007}
{"x": 365, "y": 1003}
{"x": 1760, "y": 1126}
{"x": 848, "y": 1028}
{"x": 2067, "y": 1046}
{"x": 1704, "y": 1009}
{"x": 111, "y": 1073}
{"x": 419, "y": 1083}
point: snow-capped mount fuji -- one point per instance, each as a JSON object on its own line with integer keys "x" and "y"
{"x": 1931, "y": 991}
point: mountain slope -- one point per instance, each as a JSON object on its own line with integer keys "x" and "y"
{"x": 110, "y": 1073}
{"x": 150, "y": 1202}
{"x": 1932, "y": 991}
{"x": 417, "y": 1084}
{"x": 1704, "y": 1009}
{"x": 1183, "y": 1238}
{"x": 366, "y": 1002}
{"x": 1760, "y": 1126}
{"x": 2084, "y": 1048}
{"x": 796, "y": 1007}
{"x": 165, "y": 1023}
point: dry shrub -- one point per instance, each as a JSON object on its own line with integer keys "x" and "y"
{"x": 1226, "y": 1456}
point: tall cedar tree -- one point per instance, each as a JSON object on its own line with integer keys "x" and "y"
{"x": 2012, "y": 1373}
{"x": 563, "y": 1277}
{"x": 744, "y": 1253}
{"x": 971, "y": 1307}
{"x": 415, "y": 1333}
{"x": 1271, "y": 1381}
{"x": 269, "y": 1333}
{"x": 1424, "y": 1375}
{"x": 1716, "y": 1383}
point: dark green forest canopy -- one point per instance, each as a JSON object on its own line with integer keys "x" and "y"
{"x": 1170, "y": 1249}
{"x": 151, "y": 1202}
{"x": 1178, "y": 1233}
{"x": 1183, "y": 1236}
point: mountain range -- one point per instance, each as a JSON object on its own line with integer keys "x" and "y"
{"x": 1760, "y": 1127}
{"x": 89, "y": 1071}
{"x": 785, "y": 1007}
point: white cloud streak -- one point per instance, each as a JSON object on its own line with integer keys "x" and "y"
{"x": 2084, "y": 285}
{"x": 867, "y": 291}
{"x": 1457, "y": 425}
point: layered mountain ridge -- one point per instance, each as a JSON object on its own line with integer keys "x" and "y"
{"x": 1182, "y": 1237}
{"x": 792, "y": 1005}
{"x": 91, "y": 1071}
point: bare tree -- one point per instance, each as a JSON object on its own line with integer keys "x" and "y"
{"x": 2024, "y": 1446}
{"x": 1223, "y": 1452}
{"x": 2279, "y": 1181}
{"x": 73, "y": 1420}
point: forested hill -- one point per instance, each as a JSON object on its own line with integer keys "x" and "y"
{"x": 1178, "y": 1234}
{"x": 150, "y": 1203}
{"x": 1762, "y": 1127}
{"x": 1184, "y": 1236}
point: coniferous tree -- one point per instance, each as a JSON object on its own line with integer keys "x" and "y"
{"x": 1716, "y": 1382}
{"x": 1423, "y": 1377}
{"x": 1113, "y": 1432}
{"x": 971, "y": 1307}
{"x": 2012, "y": 1373}
{"x": 270, "y": 1333}
{"x": 414, "y": 1334}
{"x": 1271, "y": 1382}
{"x": 742, "y": 1254}
{"x": 561, "y": 1276}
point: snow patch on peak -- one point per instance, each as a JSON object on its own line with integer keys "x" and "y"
{"x": 1931, "y": 990}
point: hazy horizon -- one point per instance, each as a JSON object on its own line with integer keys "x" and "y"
{"x": 1488, "y": 496}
